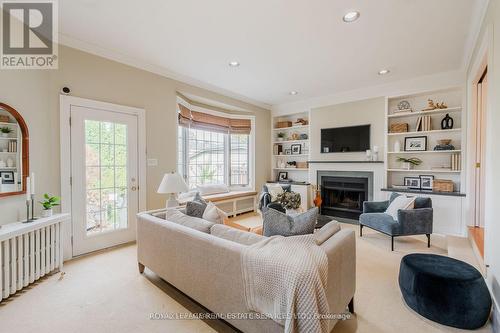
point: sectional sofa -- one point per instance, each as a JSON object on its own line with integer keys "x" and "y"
{"x": 202, "y": 260}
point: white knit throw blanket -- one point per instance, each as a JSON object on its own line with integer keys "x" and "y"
{"x": 285, "y": 278}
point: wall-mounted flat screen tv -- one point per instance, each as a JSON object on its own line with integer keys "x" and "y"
{"x": 345, "y": 139}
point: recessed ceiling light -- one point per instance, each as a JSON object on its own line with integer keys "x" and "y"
{"x": 351, "y": 16}
{"x": 293, "y": 92}
{"x": 383, "y": 71}
{"x": 234, "y": 64}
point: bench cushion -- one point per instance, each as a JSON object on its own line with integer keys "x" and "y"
{"x": 224, "y": 196}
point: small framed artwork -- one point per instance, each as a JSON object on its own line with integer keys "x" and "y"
{"x": 412, "y": 182}
{"x": 296, "y": 149}
{"x": 282, "y": 175}
{"x": 426, "y": 182}
{"x": 288, "y": 151}
{"x": 7, "y": 177}
{"x": 416, "y": 143}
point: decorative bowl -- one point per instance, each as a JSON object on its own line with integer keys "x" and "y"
{"x": 444, "y": 142}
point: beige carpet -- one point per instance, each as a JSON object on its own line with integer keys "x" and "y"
{"x": 105, "y": 293}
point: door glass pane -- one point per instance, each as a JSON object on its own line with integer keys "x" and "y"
{"x": 106, "y": 176}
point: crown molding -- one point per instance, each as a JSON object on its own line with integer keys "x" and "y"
{"x": 159, "y": 70}
{"x": 391, "y": 89}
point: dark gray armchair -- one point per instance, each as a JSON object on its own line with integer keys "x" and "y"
{"x": 265, "y": 199}
{"x": 417, "y": 221}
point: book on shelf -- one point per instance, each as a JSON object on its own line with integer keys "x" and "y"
{"x": 419, "y": 124}
{"x": 424, "y": 123}
{"x": 277, "y": 149}
{"x": 455, "y": 162}
{"x": 12, "y": 147}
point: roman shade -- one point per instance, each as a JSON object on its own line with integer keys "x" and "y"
{"x": 209, "y": 122}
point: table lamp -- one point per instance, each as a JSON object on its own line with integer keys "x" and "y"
{"x": 172, "y": 183}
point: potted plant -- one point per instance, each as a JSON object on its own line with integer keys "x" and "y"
{"x": 281, "y": 136}
{"x": 5, "y": 131}
{"x": 290, "y": 201}
{"x": 408, "y": 163}
{"x": 48, "y": 204}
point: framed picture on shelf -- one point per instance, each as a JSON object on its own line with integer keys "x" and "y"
{"x": 416, "y": 143}
{"x": 282, "y": 175}
{"x": 296, "y": 149}
{"x": 426, "y": 182}
{"x": 412, "y": 182}
{"x": 7, "y": 177}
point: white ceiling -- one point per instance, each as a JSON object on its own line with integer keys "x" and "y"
{"x": 282, "y": 45}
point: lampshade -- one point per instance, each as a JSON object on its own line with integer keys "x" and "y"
{"x": 172, "y": 183}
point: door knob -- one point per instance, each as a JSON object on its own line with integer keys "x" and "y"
{"x": 134, "y": 188}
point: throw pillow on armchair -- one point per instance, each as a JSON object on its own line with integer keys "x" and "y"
{"x": 277, "y": 223}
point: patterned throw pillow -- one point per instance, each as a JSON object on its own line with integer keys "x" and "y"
{"x": 277, "y": 223}
{"x": 195, "y": 208}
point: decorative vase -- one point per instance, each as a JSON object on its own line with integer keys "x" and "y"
{"x": 406, "y": 165}
{"x": 10, "y": 162}
{"x": 368, "y": 155}
{"x": 47, "y": 212}
{"x": 279, "y": 139}
{"x": 447, "y": 122}
{"x": 397, "y": 146}
{"x": 317, "y": 200}
{"x": 2, "y": 164}
{"x": 5, "y": 135}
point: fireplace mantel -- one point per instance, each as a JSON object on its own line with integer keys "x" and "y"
{"x": 345, "y": 161}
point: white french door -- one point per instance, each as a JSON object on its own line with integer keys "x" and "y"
{"x": 104, "y": 173}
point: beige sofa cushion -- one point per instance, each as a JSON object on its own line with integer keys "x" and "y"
{"x": 235, "y": 235}
{"x": 326, "y": 231}
{"x": 176, "y": 216}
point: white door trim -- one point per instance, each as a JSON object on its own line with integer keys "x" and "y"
{"x": 65, "y": 146}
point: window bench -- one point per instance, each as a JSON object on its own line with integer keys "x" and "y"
{"x": 233, "y": 202}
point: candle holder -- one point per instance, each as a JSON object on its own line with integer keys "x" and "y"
{"x": 33, "y": 218}
{"x": 28, "y": 220}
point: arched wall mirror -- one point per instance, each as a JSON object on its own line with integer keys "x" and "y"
{"x": 14, "y": 152}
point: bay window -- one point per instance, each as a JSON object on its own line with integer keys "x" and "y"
{"x": 213, "y": 149}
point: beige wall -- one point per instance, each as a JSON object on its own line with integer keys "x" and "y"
{"x": 369, "y": 111}
{"x": 490, "y": 34}
{"x": 35, "y": 94}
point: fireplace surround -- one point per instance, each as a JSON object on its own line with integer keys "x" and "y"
{"x": 343, "y": 192}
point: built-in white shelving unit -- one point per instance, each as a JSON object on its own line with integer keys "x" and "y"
{"x": 437, "y": 163}
{"x": 294, "y": 136}
{"x": 10, "y": 152}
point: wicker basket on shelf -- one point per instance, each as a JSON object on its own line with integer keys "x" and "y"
{"x": 399, "y": 128}
{"x": 4, "y": 119}
{"x": 442, "y": 185}
{"x": 283, "y": 124}
{"x": 302, "y": 165}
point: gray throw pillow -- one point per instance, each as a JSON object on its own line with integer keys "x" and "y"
{"x": 277, "y": 223}
{"x": 195, "y": 208}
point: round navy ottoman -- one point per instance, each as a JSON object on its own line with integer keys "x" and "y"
{"x": 445, "y": 290}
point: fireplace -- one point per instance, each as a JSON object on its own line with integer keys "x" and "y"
{"x": 343, "y": 196}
